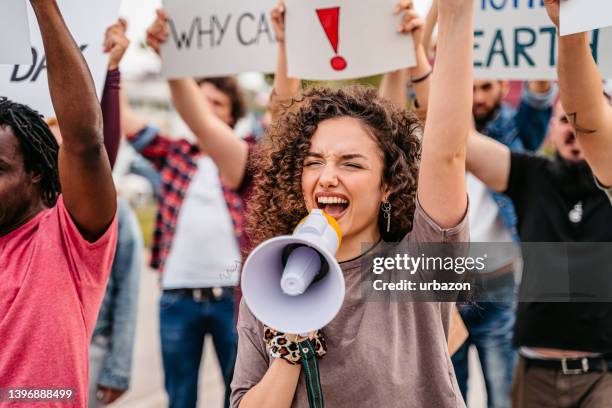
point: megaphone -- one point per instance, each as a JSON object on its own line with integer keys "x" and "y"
{"x": 293, "y": 283}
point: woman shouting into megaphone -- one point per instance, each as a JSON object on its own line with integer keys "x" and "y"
{"x": 369, "y": 165}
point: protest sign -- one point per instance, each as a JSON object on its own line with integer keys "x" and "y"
{"x": 87, "y": 22}
{"x": 341, "y": 39}
{"x": 14, "y": 32}
{"x": 515, "y": 39}
{"x": 578, "y": 16}
{"x": 218, "y": 37}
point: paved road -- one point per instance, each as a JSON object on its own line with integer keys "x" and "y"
{"x": 147, "y": 382}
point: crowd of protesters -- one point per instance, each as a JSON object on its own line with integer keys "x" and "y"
{"x": 407, "y": 165}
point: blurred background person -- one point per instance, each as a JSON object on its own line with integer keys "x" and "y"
{"x": 110, "y": 353}
{"x": 196, "y": 239}
{"x": 581, "y": 88}
{"x": 58, "y": 227}
{"x": 493, "y": 220}
{"x": 563, "y": 346}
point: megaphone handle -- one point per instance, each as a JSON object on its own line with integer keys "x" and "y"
{"x": 310, "y": 362}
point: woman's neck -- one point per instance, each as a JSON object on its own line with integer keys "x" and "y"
{"x": 354, "y": 245}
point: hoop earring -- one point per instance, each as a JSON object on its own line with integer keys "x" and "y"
{"x": 386, "y": 208}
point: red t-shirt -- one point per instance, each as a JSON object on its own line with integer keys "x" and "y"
{"x": 52, "y": 282}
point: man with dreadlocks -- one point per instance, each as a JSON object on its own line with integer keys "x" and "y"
{"x": 56, "y": 245}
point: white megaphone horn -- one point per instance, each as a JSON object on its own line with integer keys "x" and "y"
{"x": 293, "y": 283}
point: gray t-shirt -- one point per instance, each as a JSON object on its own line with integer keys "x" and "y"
{"x": 380, "y": 354}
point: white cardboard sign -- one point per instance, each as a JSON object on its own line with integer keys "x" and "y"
{"x": 578, "y": 16}
{"x": 218, "y": 38}
{"x": 14, "y": 32}
{"x": 342, "y": 39}
{"x": 87, "y": 21}
{"x": 515, "y": 39}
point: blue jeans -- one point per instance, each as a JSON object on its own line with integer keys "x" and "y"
{"x": 184, "y": 324}
{"x": 490, "y": 325}
{"x": 116, "y": 324}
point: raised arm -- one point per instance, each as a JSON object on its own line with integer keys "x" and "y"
{"x": 582, "y": 98}
{"x": 489, "y": 161}
{"x": 442, "y": 185}
{"x": 115, "y": 44}
{"x": 285, "y": 88}
{"x": 85, "y": 174}
{"x": 430, "y": 25}
{"x": 394, "y": 85}
{"x": 111, "y": 114}
{"x": 215, "y": 137}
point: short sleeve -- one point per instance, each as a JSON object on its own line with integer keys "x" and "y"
{"x": 425, "y": 229}
{"x": 252, "y": 361}
{"x": 91, "y": 262}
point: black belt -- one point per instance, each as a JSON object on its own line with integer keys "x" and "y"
{"x": 573, "y": 365}
{"x": 204, "y": 294}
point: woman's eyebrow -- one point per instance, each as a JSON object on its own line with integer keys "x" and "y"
{"x": 313, "y": 154}
{"x": 348, "y": 156}
{"x": 353, "y": 156}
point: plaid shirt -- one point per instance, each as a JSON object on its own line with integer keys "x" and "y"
{"x": 176, "y": 160}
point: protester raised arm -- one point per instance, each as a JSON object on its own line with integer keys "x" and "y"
{"x": 430, "y": 25}
{"x": 582, "y": 98}
{"x": 285, "y": 88}
{"x": 442, "y": 186}
{"x": 394, "y": 84}
{"x": 115, "y": 45}
{"x": 489, "y": 161}
{"x": 85, "y": 174}
{"x": 215, "y": 137}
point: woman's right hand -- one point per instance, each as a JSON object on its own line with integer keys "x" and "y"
{"x": 157, "y": 34}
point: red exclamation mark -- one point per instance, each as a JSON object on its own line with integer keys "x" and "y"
{"x": 330, "y": 20}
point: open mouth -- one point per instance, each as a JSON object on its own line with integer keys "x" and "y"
{"x": 335, "y": 204}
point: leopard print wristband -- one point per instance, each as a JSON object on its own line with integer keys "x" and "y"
{"x": 280, "y": 346}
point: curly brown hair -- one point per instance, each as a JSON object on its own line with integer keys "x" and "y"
{"x": 277, "y": 203}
